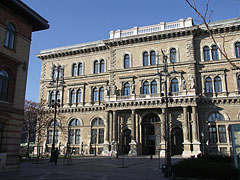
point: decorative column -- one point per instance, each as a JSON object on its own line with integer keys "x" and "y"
{"x": 186, "y": 142}
{"x": 133, "y": 144}
{"x": 196, "y": 143}
{"x": 114, "y": 128}
{"x": 106, "y": 135}
{"x": 163, "y": 129}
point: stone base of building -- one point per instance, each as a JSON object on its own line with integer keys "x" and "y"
{"x": 196, "y": 148}
{"x": 113, "y": 151}
{"x": 133, "y": 149}
{"x": 187, "y": 149}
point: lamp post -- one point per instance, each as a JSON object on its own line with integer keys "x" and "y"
{"x": 57, "y": 76}
{"x": 168, "y": 164}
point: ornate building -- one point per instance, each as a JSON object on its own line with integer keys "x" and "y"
{"x": 17, "y": 22}
{"x": 112, "y": 98}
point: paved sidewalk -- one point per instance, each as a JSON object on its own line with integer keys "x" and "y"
{"x": 90, "y": 168}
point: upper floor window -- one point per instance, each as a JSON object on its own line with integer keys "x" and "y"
{"x": 237, "y": 49}
{"x": 145, "y": 58}
{"x": 95, "y": 70}
{"x": 79, "y": 96}
{"x": 208, "y": 85}
{"x": 215, "y": 117}
{"x": 126, "y": 63}
{"x": 4, "y": 80}
{"x": 95, "y": 95}
{"x": 73, "y": 97}
{"x": 101, "y": 94}
{"x": 102, "y": 65}
{"x": 174, "y": 85}
{"x": 238, "y": 82}
{"x": 152, "y": 58}
{"x": 206, "y": 53}
{"x": 126, "y": 89}
{"x": 146, "y": 87}
{"x": 214, "y": 52}
{"x": 10, "y": 36}
{"x": 80, "y": 69}
{"x": 154, "y": 87}
{"x": 74, "y": 69}
{"x": 173, "y": 55}
{"x": 217, "y": 84}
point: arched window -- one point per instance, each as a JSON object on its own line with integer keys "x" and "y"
{"x": 212, "y": 128}
{"x": 58, "y": 98}
{"x": 217, "y": 84}
{"x": 10, "y": 36}
{"x": 95, "y": 70}
{"x": 145, "y": 58}
{"x": 74, "y": 131}
{"x": 146, "y": 87}
{"x": 238, "y": 82}
{"x": 95, "y": 94}
{"x": 79, "y": 96}
{"x": 214, "y": 52}
{"x": 97, "y": 135}
{"x": 126, "y": 61}
{"x": 174, "y": 85}
{"x": 173, "y": 55}
{"x": 237, "y": 49}
{"x": 80, "y": 69}
{"x": 74, "y": 69}
{"x": 4, "y": 80}
{"x": 101, "y": 94}
{"x": 152, "y": 58}
{"x": 73, "y": 97}
{"x": 51, "y": 98}
{"x": 208, "y": 85}
{"x": 102, "y": 66}
{"x": 126, "y": 89}
{"x": 154, "y": 87}
{"x": 206, "y": 53}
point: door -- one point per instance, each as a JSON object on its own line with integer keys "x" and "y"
{"x": 177, "y": 141}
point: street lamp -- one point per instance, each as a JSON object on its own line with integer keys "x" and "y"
{"x": 58, "y": 80}
{"x": 168, "y": 164}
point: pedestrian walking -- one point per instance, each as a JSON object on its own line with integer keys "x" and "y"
{"x": 55, "y": 155}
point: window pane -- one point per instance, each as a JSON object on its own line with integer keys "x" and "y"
{"x": 77, "y": 136}
{"x": 154, "y": 87}
{"x": 94, "y": 136}
{"x": 71, "y": 136}
{"x": 145, "y": 59}
{"x": 101, "y": 136}
{"x": 208, "y": 85}
{"x": 95, "y": 95}
{"x": 101, "y": 94}
{"x": 146, "y": 87}
{"x": 4, "y": 79}
{"x": 173, "y": 57}
{"x": 222, "y": 134}
{"x": 74, "y": 70}
{"x": 56, "y": 136}
{"x": 217, "y": 84}
{"x": 174, "y": 85}
{"x": 79, "y": 96}
{"x": 206, "y": 54}
{"x": 237, "y": 49}
{"x": 73, "y": 97}
{"x": 152, "y": 58}
{"x": 10, "y": 36}
{"x": 80, "y": 70}
{"x": 126, "y": 61}
{"x": 126, "y": 89}
{"x": 214, "y": 52}
{"x": 212, "y": 134}
{"x": 102, "y": 64}
{"x": 95, "y": 67}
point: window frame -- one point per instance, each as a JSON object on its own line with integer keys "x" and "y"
{"x": 206, "y": 53}
{"x": 95, "y": 67}
{"x": 217, "y": 84}
{"x": 214, "y": 52}
{"x": 154, "y": 87}
{"x": 145, "y": 87}
{"x": 145, "y": 58}
{"x": 237, "y": 49}
{"x": 102, "y": 66}
{"x": 174, "y": 85}
{"x": 126, "y": 61}
{"x": 126, "y": 89}
{"x": 4, "y": 85}
{"x": 9, "y": 41}
{"x": 152, "y": 58}
{"x": 173, "y": 55}
{"x": 208, "y": 85}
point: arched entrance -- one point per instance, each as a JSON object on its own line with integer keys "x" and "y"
{"x": 177, "y": 141}
{"x": 149, "y": 133}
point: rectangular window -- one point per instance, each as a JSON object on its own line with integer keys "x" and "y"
{"x": 77, "y": 136}
{"x": 50, "y": 137}
{"x": 222, "y": 134}
{"x": 212, "y": 134}
{"x": 94, "y": 136}
{"x": 101, "y": 136}
{"x": 56, "y": 136}
{"x": 71, "y": 136}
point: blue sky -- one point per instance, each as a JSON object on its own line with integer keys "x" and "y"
{"x": 79, "y": 21}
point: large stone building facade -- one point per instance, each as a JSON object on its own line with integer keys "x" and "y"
{"x": 17, "y": 22}
{"x": 112, "y": 99}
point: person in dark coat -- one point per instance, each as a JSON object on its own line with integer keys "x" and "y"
{"x": 55, "y": 155}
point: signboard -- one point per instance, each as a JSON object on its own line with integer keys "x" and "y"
{"x": 235, "y": 132}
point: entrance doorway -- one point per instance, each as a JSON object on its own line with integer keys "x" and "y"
{"x": 149, "y": 134}
{"x": 177, "y": 141}
{"x": 126, "y": 139}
